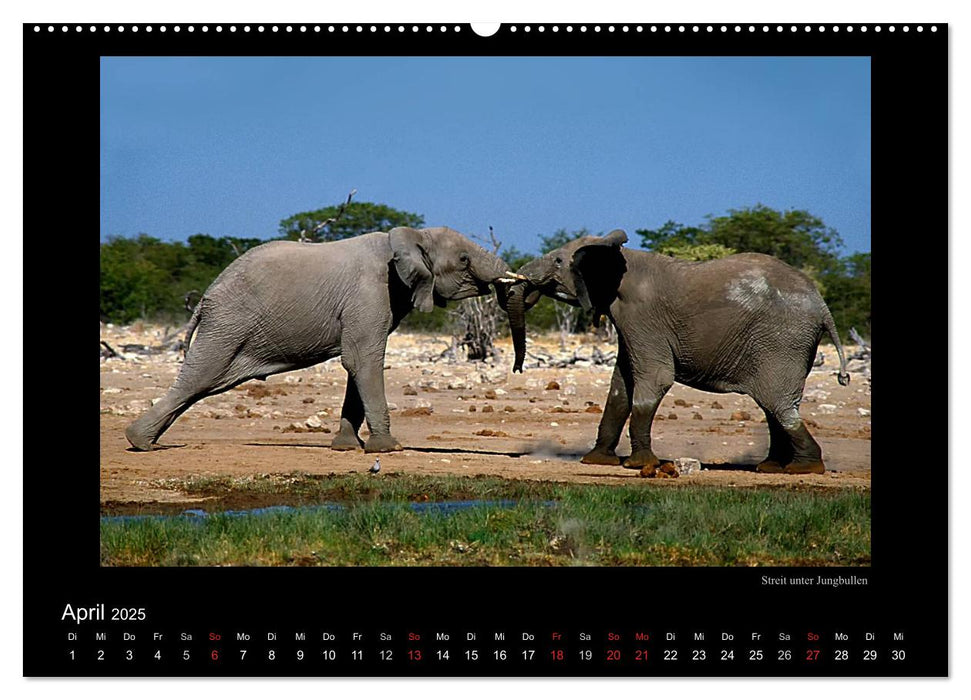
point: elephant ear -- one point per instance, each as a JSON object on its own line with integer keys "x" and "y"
{"x": 413, "y": 266}
{"x": 598, "y": 267}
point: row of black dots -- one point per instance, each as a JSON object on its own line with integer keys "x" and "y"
{"x": 667, "y": 28}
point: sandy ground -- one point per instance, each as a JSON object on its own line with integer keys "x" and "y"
{"x": 539, "y": 425}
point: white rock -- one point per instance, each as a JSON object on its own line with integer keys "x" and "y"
{"x": 863, "y": 411}
{"x": 827, "y": 409}
{"x": 313, "y": 422}
{"x": 111, "y": 390}
{"x": 687, "y": 465}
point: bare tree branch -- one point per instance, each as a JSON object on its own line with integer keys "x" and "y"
{"x": 306, "y": 237}
{"x": 493, "y": 241}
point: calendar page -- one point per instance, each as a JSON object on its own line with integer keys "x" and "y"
{"x": 532, "y": 350}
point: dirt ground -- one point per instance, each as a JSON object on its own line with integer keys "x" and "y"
{"x": 459, "y": 418}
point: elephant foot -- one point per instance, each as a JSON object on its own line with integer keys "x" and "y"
{"x": 643, "y": 460}
{"x": 343, "y": 442}
{"x": 601, "y": 456}
{"x": 139, "y": 441}
{"x": 805, "y": 468}
{"x": 769, "y": 466}
{"x": 382, "y": 443}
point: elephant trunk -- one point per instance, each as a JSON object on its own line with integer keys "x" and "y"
{"x": 519, "y": 299}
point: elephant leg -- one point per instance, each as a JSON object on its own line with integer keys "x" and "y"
{"x": 352, "y": 416}
{"x": 647, "y": 396}
{"x": 807, "y": 456}
{"x": 368, "y": 375}
{"x": 146, "y": 430}
{"x": 780, "y": 447}
{"x": 209, "y": 368}
{"x": 616, "y": 412}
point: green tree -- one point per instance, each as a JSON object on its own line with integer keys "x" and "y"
{"x": 794, "y": 236}
{"x": 695, "y": 252}
{"x": 132, "y": 284}
{"x": 358, "y": 218}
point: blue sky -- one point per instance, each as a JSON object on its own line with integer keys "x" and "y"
{"x": 230, "y": 146}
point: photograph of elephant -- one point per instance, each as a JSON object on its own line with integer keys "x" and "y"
{"x": 575, "y": 311}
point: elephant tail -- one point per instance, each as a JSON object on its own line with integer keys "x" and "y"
{"x": 843, "y": 376}
{"x": 191, "y": 326}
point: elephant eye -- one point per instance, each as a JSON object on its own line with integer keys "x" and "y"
{"x": 464, "y": 258}
{"x": 559, "y": 261}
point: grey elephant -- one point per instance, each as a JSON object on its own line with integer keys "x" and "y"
{"x": 747, "y": 323}
{"x": 286, "y": 305}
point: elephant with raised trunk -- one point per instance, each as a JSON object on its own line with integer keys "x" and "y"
{"x": 747, "y": 323}
{"x": 286, "y": 305}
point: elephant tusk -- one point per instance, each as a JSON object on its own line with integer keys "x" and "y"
{"x": 513, "y": 279}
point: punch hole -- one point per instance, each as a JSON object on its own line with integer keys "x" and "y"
{"x": 485, "y": 29}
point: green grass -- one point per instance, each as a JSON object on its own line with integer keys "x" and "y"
{"x": 635, "y": 524}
